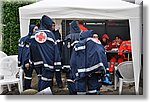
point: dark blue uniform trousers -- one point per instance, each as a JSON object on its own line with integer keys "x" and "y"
{"x": 28, "y": 76}
{"x": 46, "y": 79}
{"x": 89, "y": 83}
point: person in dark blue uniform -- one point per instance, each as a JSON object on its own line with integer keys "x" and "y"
{"x": 69, "y": 42}
{"x": 104, "y": 78}
{"x": 45, "y": 52}
{"x": 24, "y": 57}
{"x": 86, "y": 60}
{"x": 59, "y": 43}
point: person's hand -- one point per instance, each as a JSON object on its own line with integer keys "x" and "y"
{"x": 27, "y": 66}
{"x": 107, "y": 46}
{"x": 114, "y": 43}
{"x": 118, "y": 44}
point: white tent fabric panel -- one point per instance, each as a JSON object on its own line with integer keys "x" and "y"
{"x": 24, "y": 23}
{"x": 136, "y": 32}
{"x": 89, "y": 9}
{"x": 79, "y": 9}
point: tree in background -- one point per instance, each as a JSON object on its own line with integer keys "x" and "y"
{"x": 11, "y": 27}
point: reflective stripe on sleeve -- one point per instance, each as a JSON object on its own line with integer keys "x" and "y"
{"x": 50, "y": 39}
{"x": 27, "y": 46}
{"x": 20, "y": 45}
{"x": 80, "y": 48}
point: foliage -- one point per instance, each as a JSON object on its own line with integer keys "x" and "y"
{"x": 11, "y": 27}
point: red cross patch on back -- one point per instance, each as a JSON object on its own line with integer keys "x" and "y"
{"x": 40, "y": 37}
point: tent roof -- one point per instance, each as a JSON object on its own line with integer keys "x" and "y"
{"x": 106, "y": 9}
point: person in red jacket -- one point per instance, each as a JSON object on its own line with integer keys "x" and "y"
{"x": 124, "y": 47}
{"x": 115, "y": 44}
{"x": 82, "y": 27}
{"x": 105, "y": 42}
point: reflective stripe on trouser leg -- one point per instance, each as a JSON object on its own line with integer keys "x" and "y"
{"x": 71, "y": 86}
{"x": 81, "y": 86}
{"x": 39, "y": 74}
{"x": 81, "y": 93}
{"x": 46, "y": 79}
{"x": 92, "y": 92}
{"x": 28, "y": 78}
{"x": 27, "y": 82}
{"x": 92, "y": 84}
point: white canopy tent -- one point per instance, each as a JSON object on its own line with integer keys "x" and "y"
{"x": 89, "y": 9}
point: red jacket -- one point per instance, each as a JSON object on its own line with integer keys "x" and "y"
{"x": 125, "y": 46}
{"x": 108, "y": 46}
{"x": 116, "y": 44}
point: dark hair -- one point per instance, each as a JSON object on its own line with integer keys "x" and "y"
{"x": 95, "y": 32}
{"x": 81, "y": 21}
{"x": 38, "y": 25}
{"x": 53, "y": 22}
{"x": 118, "y": 36}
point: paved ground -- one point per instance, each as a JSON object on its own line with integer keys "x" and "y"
{"x": 128, "y": 89}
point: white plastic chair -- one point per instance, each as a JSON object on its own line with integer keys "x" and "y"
{"x": 9, "y": 70}
{"x": 20, "y": 70}
{"x": 126, "y": 71}
{"x": 15, "y": 57}
{"x": 2, "y": 54}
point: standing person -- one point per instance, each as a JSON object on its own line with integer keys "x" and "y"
{"x": 82, "y": 27}
{"x": 85, "y": 61}
{"x": 24, "y": 56}
{"x": 70, "y": 40}
{"x": 95, "y": 36}
{"x": 103, "y": 77}
{"x": 58, "y": 40}
{"x": 45, "y": 52}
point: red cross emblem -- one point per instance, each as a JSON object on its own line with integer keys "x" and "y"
{"x": 41, "y": 37}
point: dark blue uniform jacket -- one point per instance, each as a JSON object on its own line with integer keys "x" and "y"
{"x": 87, "y": 56}
{"x": 45, "y": 54}
{"x": 23, "y": 48}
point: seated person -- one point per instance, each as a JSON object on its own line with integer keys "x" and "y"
{"x": 115, "y": 44}
{"x": 105, "y": 42}
{"x": 124, "y": 47}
